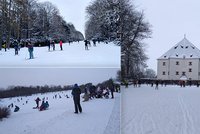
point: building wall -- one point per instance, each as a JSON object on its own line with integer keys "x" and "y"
{"x": 174, "y": 71}
{"x": 161, "y": 69}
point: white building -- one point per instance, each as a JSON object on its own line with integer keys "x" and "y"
{"x": 181, "y": 62}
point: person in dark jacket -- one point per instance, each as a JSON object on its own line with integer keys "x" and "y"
{"x": 16, "y": 108}
{"x": 76, "y": 91}
{"x": 86, "y": 45}
{"x": 37, "y": 102}
{"x": 16, "y": 47}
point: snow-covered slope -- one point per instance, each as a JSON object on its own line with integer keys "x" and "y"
{"x": 169, "y": 110}
{"x": 60, "y": 117}
{"x": 73, "y": 55}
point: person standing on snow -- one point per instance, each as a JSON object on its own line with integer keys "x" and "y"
{"x": 16, "y": 47}
{"x": 61, "y": 45}
{"x": 37, "y": 102}
{"x": 48, "y": 44}
{"x": 86, "y": 45}
{"x": 30, "y": 50}
{"x": 76, "y": 91}
{"x": 53, "y": 44}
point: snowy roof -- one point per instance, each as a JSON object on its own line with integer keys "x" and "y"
{"x": 183, "y": 49}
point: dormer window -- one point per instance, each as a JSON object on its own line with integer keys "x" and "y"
{"x": 181, "y": 46}
{"x": 193, "y": 47}
{"x": 176, "y": 55}
{"x": 175, "y": 47}
{"x": 186, "y": 47}
{"x": 165, "y": 56}
{"x": 191, "y": 55}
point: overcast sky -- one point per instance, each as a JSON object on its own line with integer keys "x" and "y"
{"x": 73, "y": 11}
{"x": 54, "y": 76}
{"x": 170, "y": 20}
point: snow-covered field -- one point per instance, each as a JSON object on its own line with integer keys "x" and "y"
{"x": 73, "y": 55}
{"x": 169, "y": 110}
{"x": 98, "y": 116}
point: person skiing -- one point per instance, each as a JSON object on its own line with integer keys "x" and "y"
{"x": 76, "y": 91}
{"x": 61, "y": 45}
{"x": 16, "y": 47}
{"x": 37, "y": 102}
{"x": 30, "y": 49}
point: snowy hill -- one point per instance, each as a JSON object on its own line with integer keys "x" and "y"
{"x": 60, "y": 117}
{"x": 73, "y": 55}
{"x": 169, "y": 110}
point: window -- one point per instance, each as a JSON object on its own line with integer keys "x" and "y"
{"x": 164, "y": 63}
{"x": 177, "y": 73}
{"x": 190, "y": 63}
{"x": 199, "y": 73}
{"x": 163, "y": 73}
{"x": 190, "y": 69}
{"x": 183, "y": 73}
{"x": 177, "y": 63}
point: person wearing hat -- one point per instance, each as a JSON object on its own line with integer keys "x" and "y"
{"x": 76, "y": 91}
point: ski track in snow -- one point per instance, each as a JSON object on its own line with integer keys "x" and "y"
{"x": 188, "y": 127}
{"x": 169, "y": 110}
{"x": 113, "y": 126}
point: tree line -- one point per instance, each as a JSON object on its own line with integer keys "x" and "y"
{"x": 119, "y": 21}
{"x": 14, "y": 91}
{"x": 29, "y": 19}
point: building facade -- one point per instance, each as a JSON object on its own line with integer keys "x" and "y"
{"x": 181, "y": 62}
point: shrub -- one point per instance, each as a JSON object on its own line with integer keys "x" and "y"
{"x": 4, "y": 112}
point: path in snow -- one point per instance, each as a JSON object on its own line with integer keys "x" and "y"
{"x": 113, "y": 126}
{"x": 169, "y": 110}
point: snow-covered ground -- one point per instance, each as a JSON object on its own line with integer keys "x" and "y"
{"x": 60, "y": 118}
{"x": 169, "y": 110}
{"x": 73, "y": 55}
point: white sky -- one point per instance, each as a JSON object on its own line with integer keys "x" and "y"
{"x": 54, "y": 76}
{"x": 170, "y": 20}
{"x": 73, "y": 11}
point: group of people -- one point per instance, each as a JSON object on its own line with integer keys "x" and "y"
{"x": 76, "y": 92}
{"x": 87, "y": 43}
{"x": 51, "y": 43}
{"x": 43, "y": 106}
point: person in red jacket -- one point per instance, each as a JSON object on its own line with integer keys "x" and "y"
{"x": 61, "y": 45}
